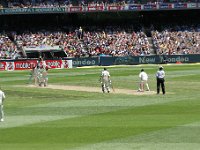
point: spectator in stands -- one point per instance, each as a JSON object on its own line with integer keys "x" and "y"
{"x": 93, "y": 43}
{"x": 108, "y": 41}
{"x": 7, "y": 48}
{"x": 83, "y": 3}
{"x": 176, "y": 42}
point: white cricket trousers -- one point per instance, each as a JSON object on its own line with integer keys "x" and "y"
{"x": 1, "y": 112}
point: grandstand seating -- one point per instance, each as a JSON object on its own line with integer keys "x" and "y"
{"x": 112, "y": 41}
{"x": 115, "y": 43}
{"x": 177, "y": 42}
{"x": 58, "y": 3}
{"x": 8, "y": 49}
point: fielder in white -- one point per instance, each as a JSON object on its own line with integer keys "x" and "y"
{"x": 2, "y": 97}
{"x": 105, "y": 81}
{"x": 143, "y": 81}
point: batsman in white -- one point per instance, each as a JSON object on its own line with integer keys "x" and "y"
{"x": 105, "y": 81}
{"x": 2, "y": 97}
{"x": 143, "y": 81}
{"x": 42, "y": 72}
{"x": 33, "y": 75}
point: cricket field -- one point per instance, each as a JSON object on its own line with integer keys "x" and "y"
{"x": 72, "y": 113}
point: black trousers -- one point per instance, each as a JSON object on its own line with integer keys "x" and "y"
{"x": 160, "y": 82}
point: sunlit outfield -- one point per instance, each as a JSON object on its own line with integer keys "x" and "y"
{"x": 47, "y": 119}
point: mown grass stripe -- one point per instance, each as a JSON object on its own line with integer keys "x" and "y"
{"x": 16, "y": 121}
{"x": 180, "y": 138}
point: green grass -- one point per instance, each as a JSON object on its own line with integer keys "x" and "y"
{"x": 47, "y": 119}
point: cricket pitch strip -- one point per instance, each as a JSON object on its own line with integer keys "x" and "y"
{"x": 94, "y": 89}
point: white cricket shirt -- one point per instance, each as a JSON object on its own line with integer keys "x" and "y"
{"x": 2, "y": 96}
{"x": 143, "y": 76}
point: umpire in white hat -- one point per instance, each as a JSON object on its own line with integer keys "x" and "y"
{"x": 160, "y": 76}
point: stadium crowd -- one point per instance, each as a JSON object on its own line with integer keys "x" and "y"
{"x": 65, "y": 3}
{"x": 89, "y": 43}
{"x": 110, "y": 41}
{"x": 118, "y": 43}
{"x": 177, "y": 42}
{"x": 8, "y": 50}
